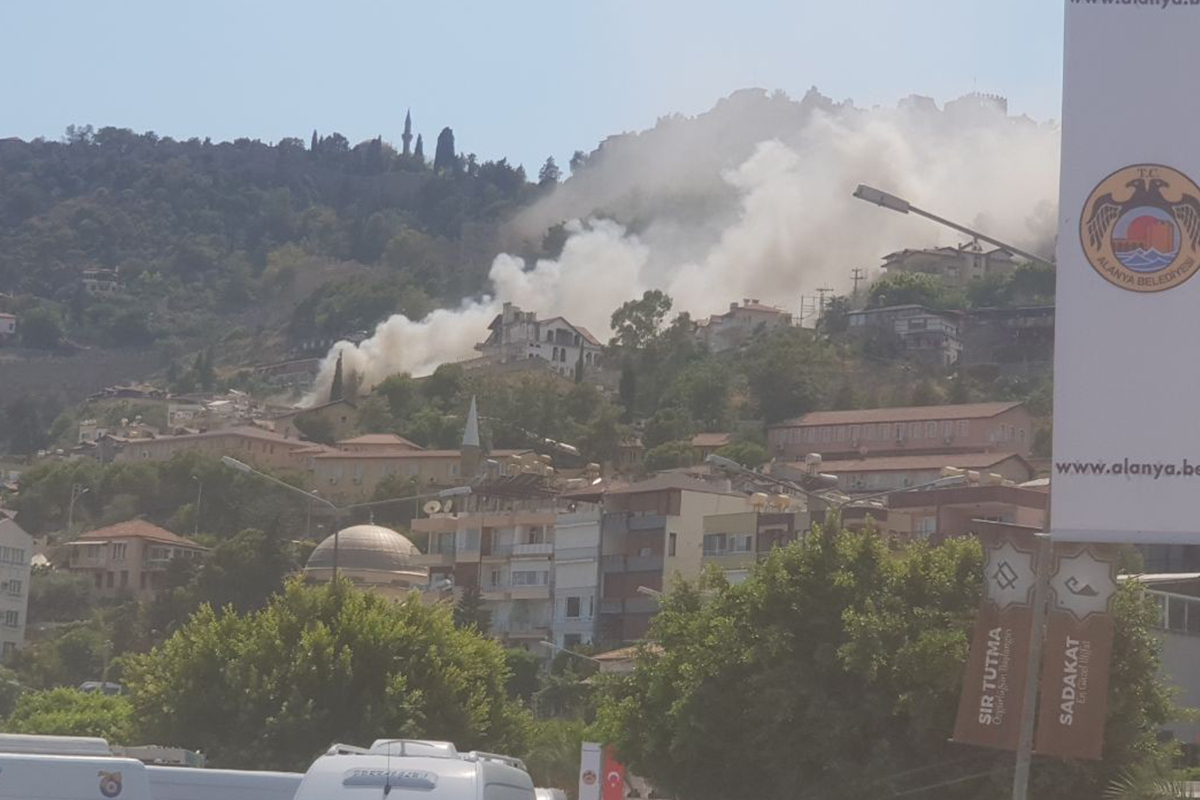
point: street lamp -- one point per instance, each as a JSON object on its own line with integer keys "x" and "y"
{"x": 338, "y": 511}
{"x": 655, "y": 593}
{"x": 78, "y": 490}
{"x": 902, "y": 206}
{"x": 199, "y": 496}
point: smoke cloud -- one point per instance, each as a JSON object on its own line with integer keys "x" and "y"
{"x": 750, "y": 199}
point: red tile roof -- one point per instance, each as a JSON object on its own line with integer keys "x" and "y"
{"x": 382, "y": 439}
{"x": 923, "y": 462}
{"x": 138, "y": 529}
{"x": 711, "y": 439}
{"x": 401, "y": 453}
{"x": 906, "y": 414}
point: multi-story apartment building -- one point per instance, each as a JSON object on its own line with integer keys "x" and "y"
{"x": 970, "y": 427}
{"x": 516, "y": 336}
{"x": 1008, "y": 336}
{"x": 651, "y": 532}
{"x": 16, "y": 550}
{"x": 576, "y": 575}
{"x": 937, "y": 514}
{"x": 736, "y": 542}
{"x": 726, "y": 331}
{"x": 246, "y": 443}
{"x": 130, "y": 557}
{"x": 508, "y": 554}
{"x": 928, "y": 337}
{"x": 954, "y": 267}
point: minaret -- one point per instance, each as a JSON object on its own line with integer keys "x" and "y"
{"x": 407, "y": 137}
{"x": 472, "y": 451}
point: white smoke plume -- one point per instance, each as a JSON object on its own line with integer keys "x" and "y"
{"x": 751, "y": 199}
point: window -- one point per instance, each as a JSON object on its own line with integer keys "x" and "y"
{"x": 16, "y": 555}
{"x": 413, "y": 470}
{"x": 14, "y": 587}
{"x": 926, "y": 526}
{"x": 899, "y": 430}
{"x": 142, "y": 581}
{"x": 118, "y": 551}
{"x": 841, "y": 433}
{"x": 931, "y": 429}
{"x": 914, "y": 430}
{"x": 494, "y": 578}
{"x": 100, "y": 580}
{"x": 855, "y": 433}
{"x": 826, "y": 434}
{"x": 531, "y": 578}
{"x": 8, "y": 649}
{"x": 109, "y": 579}
{"x": 947, "y": 430}
{"x": 714, "y": 544}
{"x": 672, "y": 540}
{"x": 13, "y": 618}
{"x": 454, "y": 470}
{"x": 124, "y": 578}
{"x": 741, "y": 543}
{"x": 869, "y": 432}
{"x": 964, "y": 427}
{"x": 1021, "y": 435}
{"x": 573, "y": 607}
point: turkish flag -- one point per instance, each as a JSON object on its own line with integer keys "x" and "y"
{"x": 614, "y": 777}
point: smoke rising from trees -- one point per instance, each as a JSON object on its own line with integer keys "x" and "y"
{"x": 750, "y": 199}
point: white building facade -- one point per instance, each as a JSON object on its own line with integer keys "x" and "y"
{"x": 518, "y": 335}
{"x": 576, "y": 575}
{"x": 16, "y": 549}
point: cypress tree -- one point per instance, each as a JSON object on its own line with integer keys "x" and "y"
{"x": 315, "y": 141}
{"x": 336, "y": 389}
{"x": 443, "y": 158}
{"x": 419, "y": 150}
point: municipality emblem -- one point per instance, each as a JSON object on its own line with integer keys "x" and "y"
{"x": 1140, "y": 228}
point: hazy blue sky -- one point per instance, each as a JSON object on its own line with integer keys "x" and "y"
{"x": 522, "y": 78}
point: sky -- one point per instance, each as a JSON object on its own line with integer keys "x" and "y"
{"x": 522, "y": 79}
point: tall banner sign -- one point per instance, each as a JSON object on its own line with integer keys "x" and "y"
{"x": 589, "y": 771}
{"x": 1126, "y": 441}
{"x": 1076, "y": 652}
{"x": 989, "y": 710}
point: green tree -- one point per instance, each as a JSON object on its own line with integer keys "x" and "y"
{"x": 402, "y": 394}
{"x": 70, "y": 712}
{"x": 553, "y": 754}
{"x": 834, "y": 671}
{"x": 319, "y": 665}
{"x": 549, "y": 174}
{"x": 908, "y": 288}
{"x": 470, "y": 612}
{"x": 245, "y": 571}
{"x": 337, "y": 388}
{"x": 41, "y": 327}
{"x": 444, "y": 158}
{"x": 524, "y": 670}
{"x": 704, "y": 389}
{"x": 670, "y": 424}
{"x": 374, "y": 415}
{"x": 671, "y": 455}
{"x": 316, "y": 428}
{"x": 638, "y": 322}
{"x": 58, "y": 596}
{"x": 788, "y": 373}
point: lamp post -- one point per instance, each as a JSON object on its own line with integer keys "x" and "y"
{"x": 338, "y": 511}
{"x": 199, "y": 497}
{"x": 901, "y": 206}
{"x": 78, "y": 490}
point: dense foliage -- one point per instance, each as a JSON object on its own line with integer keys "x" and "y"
{"x": 70, "y": 712}
{"x": 834, "y": 671}
{"x": 270, "y": 689}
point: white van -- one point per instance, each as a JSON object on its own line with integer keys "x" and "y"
{"x": 189, "y": 783}
{"x": 40, "y": 777}
{"x": 430, "y": 770}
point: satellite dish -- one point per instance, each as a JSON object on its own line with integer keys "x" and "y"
{"x": 432, "y": 507}
{"x": 448, "y": 506}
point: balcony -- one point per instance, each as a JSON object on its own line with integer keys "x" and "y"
{"x": 522, "y": 627}
{"x": 494, "y": 594}
{"x": 438, "y": 556}
{"x": 639, "y": 604}
{"x": 539, "y": 550}
{"x": 566, "y": 554}
{"x": 534, "y": 592}
{"x": 651, "y": 563}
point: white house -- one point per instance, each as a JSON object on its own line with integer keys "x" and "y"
{"x": 517, "y": 335}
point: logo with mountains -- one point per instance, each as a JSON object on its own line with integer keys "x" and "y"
{"x": 1140, "y": 228}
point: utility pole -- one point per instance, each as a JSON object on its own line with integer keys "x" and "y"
{"x": 199, "y": 497}
{"x": 858, "y": 274}
{"x": 821, "y": 293}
